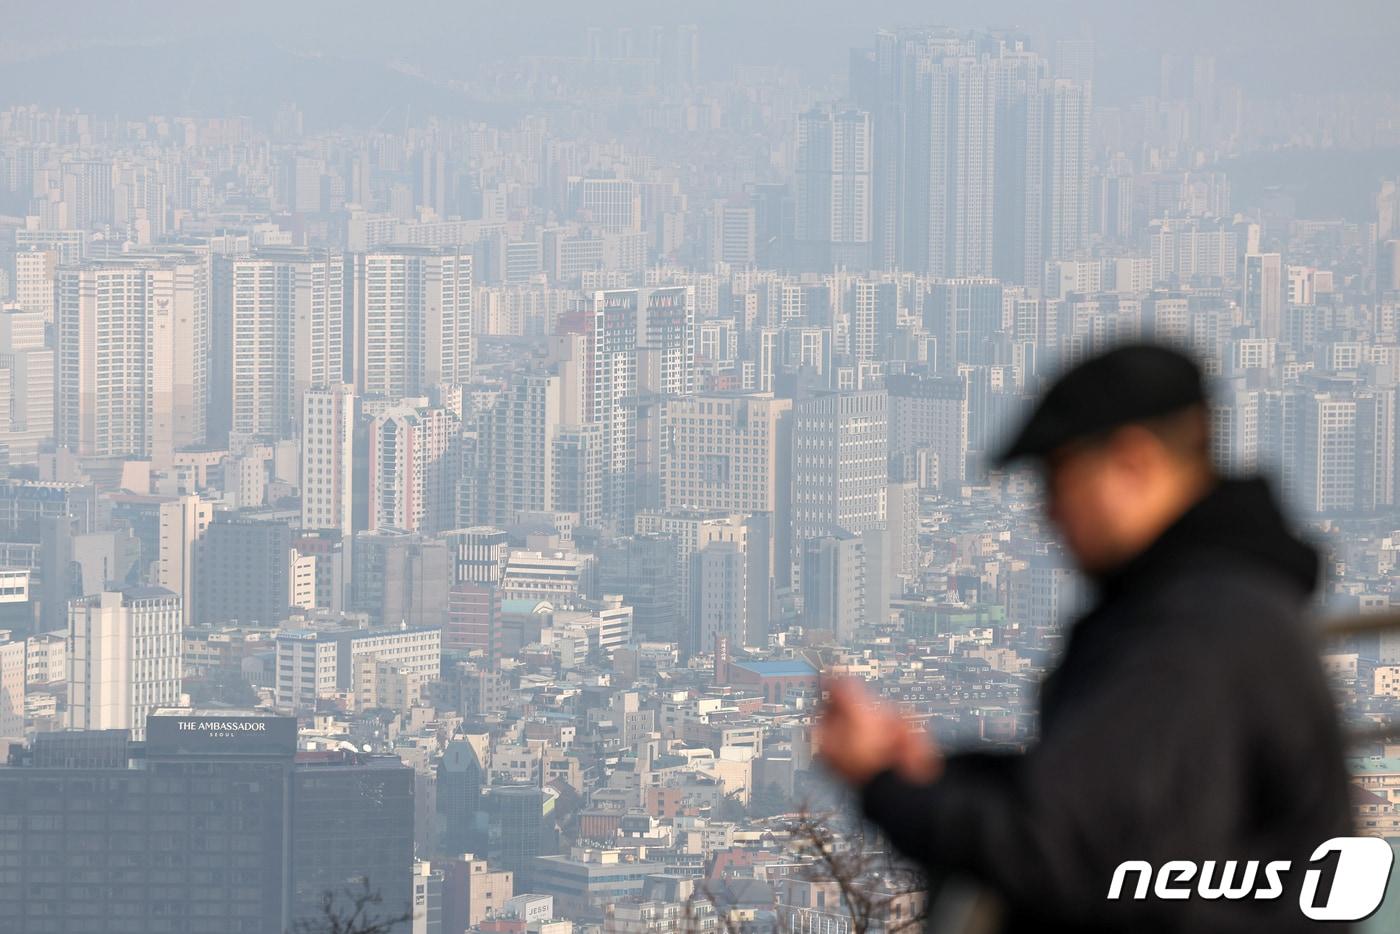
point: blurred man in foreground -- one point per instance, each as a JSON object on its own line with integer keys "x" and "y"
{"x": 1188, "y": 718}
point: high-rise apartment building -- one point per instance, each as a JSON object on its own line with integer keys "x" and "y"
{"x": 965, "y": 317}
{"x": 412, "y": 470}
{"x": 729, "y": 590}
{"x": 691, "y": 532}
{"x": 1066, "y": 124}
{"x": 87, "y": 191}
{"x": 13, "y": 679}
{"x": 514, "y": 464}
{"x": 412, "y": 313}
{"x": 36, "y": 273}
{"x": 1263, "y": 296}
{"x": 124, "y": 658}
{"x": 610, "y": 393}
{"x": 979, "y": 156}
{"x": 1326, "y": 475}
{"x": 133, "y": 349}
{"x": 872, "y": 318}
{"x": 832, "y": 214}
{"x": 182, "y": 522}
{"x": 26, "y": 385}
{"x": 279, "y": 318}
{"x": 666, "y": 341}
{"x": 950, "y": 160}
{"x": 836, "y": 574}
{"x": 929, "y": 421}
{"x": 328, "y": 458}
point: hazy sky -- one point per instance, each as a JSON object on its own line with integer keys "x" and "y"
{"x": 1266, "y": 44}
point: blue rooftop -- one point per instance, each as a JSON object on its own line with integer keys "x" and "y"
{"x": 521, "y": 606}
{"x": 788, "y": 668}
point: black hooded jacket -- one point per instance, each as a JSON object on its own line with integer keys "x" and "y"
{"x": 1188, "y": 719}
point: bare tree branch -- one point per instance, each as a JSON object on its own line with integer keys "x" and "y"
{"x": 874, "y": 888}
{"x": 356, "y": 918}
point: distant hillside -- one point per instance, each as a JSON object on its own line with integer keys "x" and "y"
{"x": 250, "y": 79}
{"x": 1324, "y": 184}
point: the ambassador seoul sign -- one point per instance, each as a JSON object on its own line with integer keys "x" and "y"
{"x": 217, "y": 729}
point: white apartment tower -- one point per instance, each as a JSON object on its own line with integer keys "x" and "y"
{"x": 124, "y": 658}
{"x": 515, "y": 450}
{"x": 666, "y": 341}
{"x": 610, "y": 394}
{"x": 133, "y": 346}
{"x": 412, "y": 320}
{"x": 411, "y": 473}
{"x": 26, "y": 385}
{"x": 182, "y": 520}
{"x": 36, "y": 271}
{"x": 280, "y": 318}
{"x": 13, "y": 679}
{"x": 328, "y": 458}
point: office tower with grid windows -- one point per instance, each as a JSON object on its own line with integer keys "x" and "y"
{"x": 840, "y": 454}
{"x": 733, "y": 234}
{"x": 732, "y": 453}
{"x": 612, "y": 204}
{"x": 243, "y": 566}
{"x": 266, "y": 832}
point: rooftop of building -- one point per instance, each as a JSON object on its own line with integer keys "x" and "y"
{"x": 525, "y": 606}
{"x": 1374, "y": 765}
{"x": 784, "y": 668}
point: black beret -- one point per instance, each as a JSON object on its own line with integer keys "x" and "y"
{"x": 1128, "y": 384}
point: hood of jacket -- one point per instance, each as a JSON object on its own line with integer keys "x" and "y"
{"x": 1240, "y": 517}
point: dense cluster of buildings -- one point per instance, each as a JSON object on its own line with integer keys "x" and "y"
{"x": 469, "y": 510}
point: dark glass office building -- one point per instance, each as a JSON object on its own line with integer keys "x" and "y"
{"x": 212, "y": 826}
